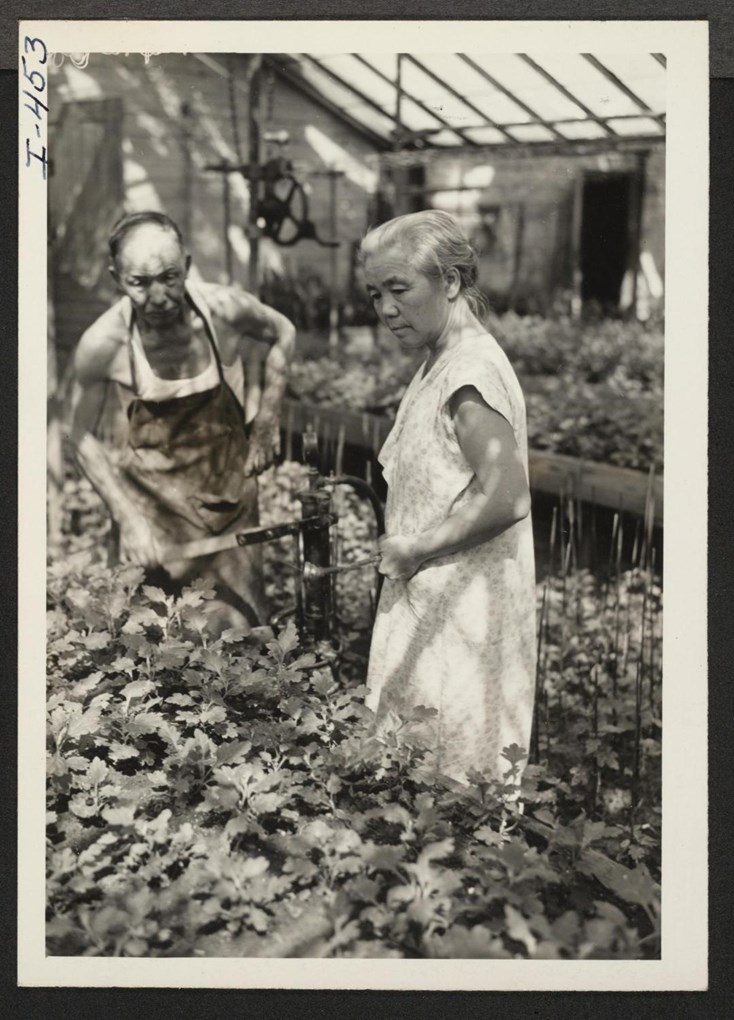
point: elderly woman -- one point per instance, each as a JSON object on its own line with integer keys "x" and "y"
{"x": 455, "y": 626}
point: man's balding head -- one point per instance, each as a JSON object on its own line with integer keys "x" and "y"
{"x": 131, "y": 223}
{"x": 150, "y": 264}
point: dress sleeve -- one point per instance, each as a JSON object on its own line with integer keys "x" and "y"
{"x": 486, "y": 378}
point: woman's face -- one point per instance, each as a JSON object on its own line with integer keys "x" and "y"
{"x": 414, "y": 307}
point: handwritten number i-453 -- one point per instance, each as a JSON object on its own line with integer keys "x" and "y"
{"x": 35, "y": 49}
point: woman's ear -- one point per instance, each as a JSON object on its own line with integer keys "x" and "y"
{"x": 452, "y": 282}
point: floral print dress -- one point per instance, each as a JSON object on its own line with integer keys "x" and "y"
{"x": 459, "y": 636}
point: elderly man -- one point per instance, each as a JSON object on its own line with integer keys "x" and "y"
{"x": 187, "y": 469}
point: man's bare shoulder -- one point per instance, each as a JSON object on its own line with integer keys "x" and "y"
{"x": 227, "y": 302}
{"x": 100, "y": 345}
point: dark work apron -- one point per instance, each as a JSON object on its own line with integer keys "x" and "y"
{"x": 185, "y": 457}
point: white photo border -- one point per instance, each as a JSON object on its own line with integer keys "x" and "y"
{"x": 683, "y": 965}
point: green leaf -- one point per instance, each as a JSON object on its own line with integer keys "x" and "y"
{"x": 383, "y": 858}
{"x": 333, "y": 784}
{"x": 287, "y": 639}
{"x": 460, "y": 943}
{"x": 83, "y": 687}
{"x": 122, "y": 752}
{"x": 97, "y": 772}
{"x": 157, "y": 595}
{"x": 137, "y": 689}
{"x": 519, "y": 929}
{"x": 234, "y": 634}
{"x": 119, "y": 816}
{"x": 122, "y": 665}
{"x": 233, "y": 751}
{"x": 96, "y": 640}
{"x": 86, "y": 722}
{"x": 514, "y": 754}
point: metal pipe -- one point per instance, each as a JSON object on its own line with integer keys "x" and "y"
{"x": 317, "y": 590}
{"x": 312, "y": 572}
{"x": 362, "y": 488}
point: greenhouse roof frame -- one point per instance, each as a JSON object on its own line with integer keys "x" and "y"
{"x": 454, "y": 101}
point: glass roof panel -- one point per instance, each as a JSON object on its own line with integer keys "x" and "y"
{"x": 370, "y": 84}
{"x": 642, "y": 73}
{"x": 590, "y": 85}
{"x": 582, "y": 129}
{"x": 446, "y": 137}
{"x": 470, "y": 83}
{"x": 532, "y": 133}
{"x": 524, "y": 82}
{"x": 486, "y": 136}
{"x": 387, "y": 63}
{"x": 417, "y": 83}
{"x": 346, "y": 99}
{"x": 371, "y": 119}
{"x": 636, "y": 126}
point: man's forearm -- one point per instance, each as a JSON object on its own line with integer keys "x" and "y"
{"x": 94, "y": 462}
{"x": 276, "y": 377}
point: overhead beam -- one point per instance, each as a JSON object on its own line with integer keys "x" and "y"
{"x": 564, "y": 91}
{"x": 568, "y": 147}
{"x": 362, "y": 96}
{"x": 562, "y": 121}
{"x": 457, "y": 95}
{"x": 283, "y": 65}
{"x": 404, "y": 94}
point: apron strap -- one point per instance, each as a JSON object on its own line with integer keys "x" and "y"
{"x": 203, "y": 312}
{"x": 130, "y": 328}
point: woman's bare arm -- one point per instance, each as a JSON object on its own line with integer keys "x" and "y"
{"x": 488, "y": 443}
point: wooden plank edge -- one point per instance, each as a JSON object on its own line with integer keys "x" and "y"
{"x": 556, "y": 474}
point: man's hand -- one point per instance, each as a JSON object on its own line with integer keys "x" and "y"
{"x": 138, "y": 544}
{"x": 399, "y": 557}
{"x": 264, "y": 446}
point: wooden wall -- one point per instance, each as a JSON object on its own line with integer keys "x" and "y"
{"x": 534, "y": 195}
{"x": 170, "y": 117}
{"x": 175, "y": 120}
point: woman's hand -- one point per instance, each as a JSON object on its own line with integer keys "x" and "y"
{"x": 399, "y": 557}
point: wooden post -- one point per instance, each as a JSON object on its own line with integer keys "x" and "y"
{"x": 517, "y": 253}
{"x": 254, "y": 176}
{"x": 577, "y": 216}
{"x": 187, "y": 178}
{"x": 398, "y": 99}
{"x": 334, "y": 175}
{"x": 637, "y": 207}
{"x": 227, "y": 223}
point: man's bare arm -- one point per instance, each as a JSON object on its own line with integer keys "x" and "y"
{"x": 257, "y": 321}
{"x": 92, "y": 360}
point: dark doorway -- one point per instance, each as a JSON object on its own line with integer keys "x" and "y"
{"x": 416, "y": 184}
{"x": 605, "y": 237}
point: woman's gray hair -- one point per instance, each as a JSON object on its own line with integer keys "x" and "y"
{"x": 434, "y": 244}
